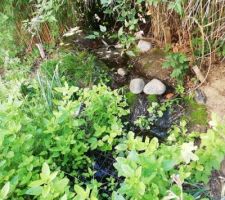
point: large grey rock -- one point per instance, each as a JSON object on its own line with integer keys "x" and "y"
{"x": 149, "y": 65}
{"x": 137, "y": 85}
{"x": 155, "y": 87}
{"x": 144, "y": 46}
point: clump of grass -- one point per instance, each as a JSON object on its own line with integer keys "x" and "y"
{"x": 131, "y": 98}
{"x": 152, "y": 98}
{"x": 80, "y": 68}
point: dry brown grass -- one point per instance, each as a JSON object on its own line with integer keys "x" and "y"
{"x": 202, "y": 19}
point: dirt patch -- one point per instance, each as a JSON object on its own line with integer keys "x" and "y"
{"x": 215, "y": 90}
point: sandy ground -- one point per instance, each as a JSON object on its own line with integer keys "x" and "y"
{"x": 214, "y": 90}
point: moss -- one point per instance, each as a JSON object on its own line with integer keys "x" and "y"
{"x": 152, "y": 98}
{"x": 196, "y": 113}
{"x": 131, "y": 98}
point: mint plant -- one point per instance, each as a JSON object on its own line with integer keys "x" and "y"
{"x": 49, "y": 186}
{"x": 32, "y": 135}
{"x": 147, "y": 167}
{"x": 211, "y": 144}
{"x": 4, "y": 191}
{"x": 104, "y": 126}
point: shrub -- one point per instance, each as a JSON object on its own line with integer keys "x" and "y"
{"x": 61, "y": 137}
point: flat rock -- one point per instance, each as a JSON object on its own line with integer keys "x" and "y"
{"x": 137, "y": 85}
{"x": 155, "y": 87}
{"x": 215, "y": 90}
{"x": 144, "y": 46}
{"x": 149, "y": 65}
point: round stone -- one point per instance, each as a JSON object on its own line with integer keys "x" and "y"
{"x": 155, "y": 87}
{"x": 122, "y": 72}
{"x": 137, "y": 85}
{"x": 144, "y": 46}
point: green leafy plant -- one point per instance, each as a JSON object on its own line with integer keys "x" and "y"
{"x": 180, "y": 89}
{"x": 45, "y": 12}
{"x": 143, "y": 123}
{"x": 178, "y": 160}
{"x": 85, "y": 194}
{"x": 49, "y": 186}
{"x": 104, "y": 126}
{"x": 211, "y": 143}
{"x": 148, "y": 166}
{"x": 179, "y": 63}
{"x": 155, "y": 111}
{"x": 32, "y": 134}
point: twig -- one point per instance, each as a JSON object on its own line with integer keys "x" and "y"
{"x": 209, "y": 68}
{"x": 41, "y": 50}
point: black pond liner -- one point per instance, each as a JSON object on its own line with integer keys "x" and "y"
{"x": 104, "y": 169}
{"x": 102, "y": 162}
{"x": 102, "y": 165}
{"x": 161, "y": 125}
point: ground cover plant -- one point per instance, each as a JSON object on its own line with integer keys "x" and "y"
{"x": 66, "y": 131}
{"x": 45, "y": 153}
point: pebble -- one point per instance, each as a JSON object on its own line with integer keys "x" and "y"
{"x": 200, "y": 96}
{"x": 155, "y": 87}
{"x": 144, "y": 46}
{"x": 122, "y": 72}
{"x": 137, "y": 85}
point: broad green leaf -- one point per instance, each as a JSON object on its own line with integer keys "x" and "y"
{"x": 141, "y": 188}
{"x": 130, "y": 53}
{"x": 121, "y": 147}
{"x": 120, "y": 32}
{"x": 36, "y": 183}
{"x": 133, "y": 155}
{"x": 53, "y": 176}
{"x": 34, "y": 191}
{"x": 127, "y": 171}
{"x": 64, "y": 197}
{"x": 46, "y": 190}
{"x": 60, "y": 185}
{"x": 187, "y": 152}
{"x": 45, "y": 170}
{"x": 117, "y": 196}
{"x": 5, "y": 190}
{"x": 80, "y": 191}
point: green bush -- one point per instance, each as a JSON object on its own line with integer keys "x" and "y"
{"x": 32, "y": 134}
{"x": 148, "y": 168}
{"x": 151, "y": 170}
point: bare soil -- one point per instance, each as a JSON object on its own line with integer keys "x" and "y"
{"x": 215, "y": 90}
